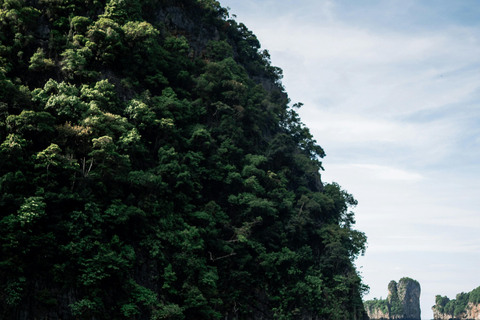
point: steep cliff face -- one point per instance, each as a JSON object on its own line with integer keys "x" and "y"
{"x": 471, "y": 312}
{"x": 409, "y": 295}
{"x": 464, "y": 306}
{"x": 377, "y": 313}
{"x": 437, "y": 315}
{"x": 403, "y": 301}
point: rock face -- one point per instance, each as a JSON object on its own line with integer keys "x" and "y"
{"x": 471, "y": 312}
{"x": 403, "y": 302}
{"x": 409, "y": 295}
{"x": 377, "y": 313}
{"x": 465, "y": 306}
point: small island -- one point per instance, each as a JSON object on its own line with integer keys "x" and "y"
{"x": 465, "y": 306}
{"x": 403, "y": 301}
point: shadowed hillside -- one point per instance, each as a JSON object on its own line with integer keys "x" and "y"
{"x": 152, "y": 167}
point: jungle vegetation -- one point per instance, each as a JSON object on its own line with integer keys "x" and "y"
{"x": 457, "y": 306}
{"x": 393, "y": 306}
{"x": 153, "y": 167}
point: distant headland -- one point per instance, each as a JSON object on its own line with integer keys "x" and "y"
{"x": 403, "y": 302}
{"x": 465, "y": 306}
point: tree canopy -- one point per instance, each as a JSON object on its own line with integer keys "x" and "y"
{"x": 455, "y": 307}
{"x": 152, "y": 167}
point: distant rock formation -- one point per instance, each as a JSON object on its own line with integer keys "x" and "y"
{"x": 466, "y": 306}
{"x": 403, "y": 302}
{"x": 471, "y": 312}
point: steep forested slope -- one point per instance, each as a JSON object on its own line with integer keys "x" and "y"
{"x": 464, "y": 306}
{"x": 152, "y": 168}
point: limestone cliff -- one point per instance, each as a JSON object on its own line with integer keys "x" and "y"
{"x": 403, "y": 301}
{"x": 465, "y": 306}
{"x": 471, "y": 312}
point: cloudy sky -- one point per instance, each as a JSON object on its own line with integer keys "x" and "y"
{"x": 391, "y": 91}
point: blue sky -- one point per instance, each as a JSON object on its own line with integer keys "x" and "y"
{"x": 391, "y": 91}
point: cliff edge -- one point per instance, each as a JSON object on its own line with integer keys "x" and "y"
{"x": 403, "y": 301}
{"x": 465, "y": 306}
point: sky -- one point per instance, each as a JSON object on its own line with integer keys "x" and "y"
{"x": 391, "y": 91}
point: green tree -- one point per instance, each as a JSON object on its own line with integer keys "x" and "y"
{"x": 152, "y": 167}
{"x": 38, "y": 62}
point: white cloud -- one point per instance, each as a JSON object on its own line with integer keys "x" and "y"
{"x": 376, "y": 172}
{"x": 389, "y": 173}
{"x": 356, "y": 70}
{"x": 333, "y": 64}
{"x": 352, "y": 128}
{"x": 364, "y": 87}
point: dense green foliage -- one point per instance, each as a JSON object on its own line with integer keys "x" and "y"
{"x": 457, "y": 306}
{"x": 396, "y": 307}
{"x": 377, "y": 304}
{"x": 152, "y": 168}
{"x": 393, "y": 306}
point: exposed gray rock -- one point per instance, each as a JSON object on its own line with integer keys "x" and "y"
{"x": 403, "y": 302}
{"x": 409, "y": 294}
{"x": 43, "y": 31}
{"x": 471, "y": 312}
